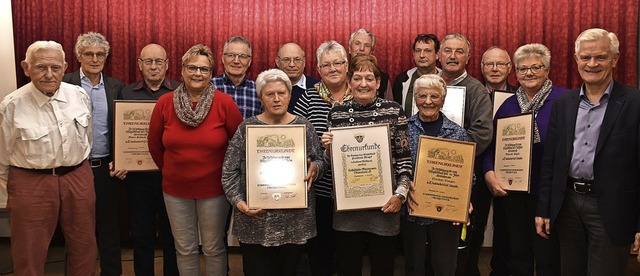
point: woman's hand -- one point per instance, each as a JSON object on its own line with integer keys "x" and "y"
{"x": 312, "y": 173}
{"x": 494, "y": 185}
{"x": 326, "y": 140}
{"x": 393, "y": 205}
{"x": 244, "y": 208}
{"x": 120, "y": 174}
{"x": 470, "y": 211}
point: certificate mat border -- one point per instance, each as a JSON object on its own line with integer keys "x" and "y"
{"x": 453, "y": 107}
{"x": 498, "y": 97}
{"x": 250, "y": 169}
{"x": 375, "y": 133}
{"x": 516, "y": 118}
{"x": 114, "y": 139}
{"x": 423, "y": 176}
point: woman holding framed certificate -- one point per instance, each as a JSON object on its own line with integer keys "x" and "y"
{"x": 536, "y": 94}
{"x": 429, "y": 94}
{"x": 272, "y": 240}
{"x": 377, "y": 228}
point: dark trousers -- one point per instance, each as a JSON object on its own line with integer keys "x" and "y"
{"x": 321, "y": 250}
{"x": 500, "y": 248}
{"x": 443, "y": 239}
{"x": 481, "y": 200}
{"x": 585, "y": 248}
{"x": 271, "y": 260}
{"x": 526, "y": 246}
{"x": 107, "y": 200}
{"x": 148, "y": 218}
{"x": 351, "y": 247}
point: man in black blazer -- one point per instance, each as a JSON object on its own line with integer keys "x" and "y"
{"x": 590, "y": 180}
{"x": 291, "y": 60}
{"x": 92, "y": 50}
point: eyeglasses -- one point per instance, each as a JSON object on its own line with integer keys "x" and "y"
{"x": 193, "y": 69}
{"x": 499, "y": 65}
{"x": 98, "y": 55}
{"x": 234, "y": 56}
{"x": 535, "y": 69}
{"x": 149, "y": 61}
{"x": 288, "y": 60}
{"x": 335, "y": 64}
{"x": 424, "y": 97}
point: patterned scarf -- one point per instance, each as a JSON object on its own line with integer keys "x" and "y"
{"x": 534, "y": 105}
{"x": 184, "y": 111}
{"x": 326, "y": 94}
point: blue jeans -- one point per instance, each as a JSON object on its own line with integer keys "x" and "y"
{"x": 207, "y": 216}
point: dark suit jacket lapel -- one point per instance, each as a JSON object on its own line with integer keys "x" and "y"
{"x": 615, "y": 104}
{"x": 571, "y": 114}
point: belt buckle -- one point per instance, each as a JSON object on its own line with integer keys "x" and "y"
{"x": 53, "y": 172}
{"x": 575, "y": 187}
{"x": 96, "y": 163}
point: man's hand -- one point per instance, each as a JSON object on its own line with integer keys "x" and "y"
{"x": 636, "y": 246}
{"x": 543, "y": 227}
{"x": 120, "y": 174}
{"x": 393, "y": 205}
{"x": 494, "y": 184}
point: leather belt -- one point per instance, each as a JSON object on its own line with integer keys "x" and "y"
{"x": 59, "y": 171}
{"x": 581, "y": 186}
{"x": 98, "y": 162}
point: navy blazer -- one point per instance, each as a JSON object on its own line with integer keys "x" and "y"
{"x": 616, "y": 167}
{"x": 111, "y": 86}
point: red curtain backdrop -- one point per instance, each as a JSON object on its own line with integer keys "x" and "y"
{"x": 179, "y": 24}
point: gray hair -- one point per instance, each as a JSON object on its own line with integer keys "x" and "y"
{"x": 533, "y": 50}
{"x": 42, "y": 45}
{"x": 330, "y": 46}
{"x": 430, "y": 81}
{"x": 458, "y": 36}
{"x": 235, "y": 39}
{"x": 269, "y": 76}
{"x": 199, "y": 50}
{"x": 364, "y": 32}
{"x": 92, "y": 39}
{"x": 597, "y": 34}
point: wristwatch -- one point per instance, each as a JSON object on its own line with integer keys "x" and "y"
{"x": 401, "y": 197}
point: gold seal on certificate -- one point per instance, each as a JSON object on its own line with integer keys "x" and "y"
{"x": 361, "y": 164}
{"x": 514, "y": 136}
{"x": 443, "y": 179}
{"x": 131, "y": 126}
{"x": 276, "y": 162}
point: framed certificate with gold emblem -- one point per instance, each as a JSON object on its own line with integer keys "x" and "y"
{"x": 514, "y": 143}
{"x": 361, "y": 163}
{"x": 443, "y": 179}
{"x": 276, "y": 161}
{"x": 130, "y": 129}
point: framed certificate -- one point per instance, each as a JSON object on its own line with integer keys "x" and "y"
{"x": 454, "y": 105}
{"x": 514, "y": 137}
{"x": 276, "y": 160}
{"x": 443, "y": 179}
{"x": 130, "y": 130}
{"x": 361, "y": 163}
{"x": 499, "y": 96}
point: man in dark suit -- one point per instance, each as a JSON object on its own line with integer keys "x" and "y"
{"x": 92, "y": 50}
{"x": 590, "y": 185}
{"x": 291, "y": 60}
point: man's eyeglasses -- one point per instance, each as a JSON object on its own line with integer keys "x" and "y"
{"x": 287, "y": 60}
{"x": 149, "y": 61}
{"x": 335, "y": 64}
{"x": 499, "y": 65}
{"x": 193, "y": 69}
{"x": 98, "y": 55}
{"x": 233, "y": 56}
{"x": 535, "y": 69}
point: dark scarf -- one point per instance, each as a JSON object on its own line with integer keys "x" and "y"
{"x": 184, "y": 111}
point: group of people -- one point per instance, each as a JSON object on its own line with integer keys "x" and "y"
{"x": 580, "y": 216}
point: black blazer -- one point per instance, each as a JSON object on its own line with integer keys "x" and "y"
{"x": 111, "y": 86}
{"x": 616, "y": 167}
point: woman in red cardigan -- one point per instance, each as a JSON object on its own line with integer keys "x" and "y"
{"x": 189, "y": 131}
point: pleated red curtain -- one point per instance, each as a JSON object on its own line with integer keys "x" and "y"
{"x": 177, "y": 25}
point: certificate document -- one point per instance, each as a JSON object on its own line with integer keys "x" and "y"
{"x": 514, "y": 137}
{"x": 499, "y": 96}
{"x": 362, "y": 167}
{"x": 454, "y": 105}
{"x": 443, "y": 179}
{"x": 276, "y": 160}
{"x": 130, "y": 130}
